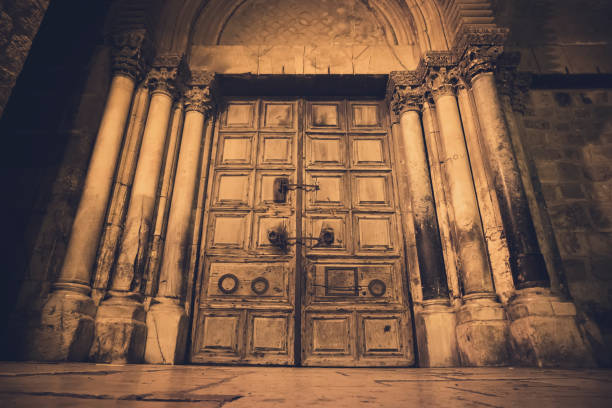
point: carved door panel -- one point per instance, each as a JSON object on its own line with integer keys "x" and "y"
{"x": 335, "y": 301}
{"x": 355, "y": 310}
{"x": 246, "y": 298}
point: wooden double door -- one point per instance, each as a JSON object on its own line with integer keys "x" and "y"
{"x": 303, "y": 257}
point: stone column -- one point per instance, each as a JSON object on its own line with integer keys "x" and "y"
{"x": 435, "y": 323}
{"x": 482, "y": 329}
{"x": 67, "y": 320}
{"x": 166, "y": 321}
{"x": 543, "y": 329}
{"x": 120, "y": 326}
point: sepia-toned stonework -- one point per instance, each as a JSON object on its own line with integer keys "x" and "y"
{"x": 324, "y": 183}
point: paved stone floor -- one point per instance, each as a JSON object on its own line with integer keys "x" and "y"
{"x": 107, "y": 385}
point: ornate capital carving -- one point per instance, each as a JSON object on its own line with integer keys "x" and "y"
{"x": 198, "y": 93}
{"x": 165, "y": 74}
{"x": 130, "y": 52}
{"x": 511, "y": 83}
{"x": 404, "y": 92}
{"x": 479, "y": 59}
{"x": 443, "y": 80}
{"x": 478, "y": 49}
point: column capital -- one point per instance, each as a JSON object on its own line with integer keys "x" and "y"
{"x": 198, "y": 93}
{"x": 130, "y": 52}
{"x": 478, "y": 49}
{"x": 512, "y": 83}
{"x": 443, "y": 80}
{"x": 165, "y": 74}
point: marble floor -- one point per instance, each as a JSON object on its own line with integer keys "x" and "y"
{"x": 107, "y": 385}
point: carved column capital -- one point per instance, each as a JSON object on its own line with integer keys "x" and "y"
{"x": 479, "y": 59}
{"x": 477, "y": 50}
{"x": 405, "y": 91}
{"x": 130, "y": 52}
{"x": 198, "y": 93}
{"x": 443, "y": 80}
{"x": 165, "y": 74}
{"x": 511, "y": 83}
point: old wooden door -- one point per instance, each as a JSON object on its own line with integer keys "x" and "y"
{"x": 312, "y": 274}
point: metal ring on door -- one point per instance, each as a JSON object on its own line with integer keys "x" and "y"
{"x": 260, "y": 285}
{"x": 377, "y": 287}
{"x": 223, "y": 281}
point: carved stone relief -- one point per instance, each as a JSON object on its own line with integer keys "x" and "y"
{"x": 297, "y": 22}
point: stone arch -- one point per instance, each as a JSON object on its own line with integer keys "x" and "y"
{"x": 183, "y": 21}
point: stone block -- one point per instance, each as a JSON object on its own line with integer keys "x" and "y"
{"x": 226, "y": 59}
{"x": 484, "y": 343}
{"x": 601, "y": 268}
{"x": 166, "y": 333}
{"x": 436, "y": 337}
{"x": 281, "y": 60}
{"x": 66, "y": 328}
{"x": 550, "y": 342}
{"x": 120, "y": 332}
{"x": 482, "y": 333}
{"x": 601, "y": 215}
{"x": 544, "y": 331}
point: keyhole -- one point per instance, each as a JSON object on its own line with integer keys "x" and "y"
{"x": 387, "y": 328}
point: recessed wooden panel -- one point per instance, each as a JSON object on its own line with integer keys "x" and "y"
{"x": 232, "y": 188}
{"x": 327, "y": 151}
{"x": 341, "y": 281}
{"x": 278, "y": 115}
{"x": 331, "y": 192}
{"x": 276, "y": 150}
{"x": 381, "y": 334}
{"x": 264, "y": 197}
{"x": 269, "y": 333}
{"x": 276, "y": 273}
{"x": 235, "y": 150}
{"x": 387, "y": 273}
{"x": 369, "y": 152}
{"x": 375, "y": 233}
{"x": 326, "y": 115}
{"x": 264, "y": 223}
{"x": 220, "y": 333}
{"x": 338, "y": 223}
{"x": 239, "y": 115}
{"x": 365, "y": 115}
{"x": 331, "y": 334}
{"x": 228, "y": 230}
{"x": 371, "y": 190}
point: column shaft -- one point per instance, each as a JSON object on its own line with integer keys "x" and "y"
{"x": 526, "y": 260}
{"x": 427, "y": 234}
{"x": 89, "y": 218}
{"x": 131, "y": 260}
{"x": 177, "y": 234}
{"x": 474, "y": 267}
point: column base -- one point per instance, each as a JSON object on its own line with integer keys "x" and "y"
{"x": 66, "y": 327}
{"x": 120, "y": 331}
{"x": 482, "y": 332}
{"x": 435, "y": 330}
{"x": 166, "y": 332}
{"x": 544, "y": 331}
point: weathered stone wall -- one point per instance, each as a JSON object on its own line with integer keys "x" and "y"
{"x": 569, "y": 138}
{"x": 19, "y": 22}
{"x": 48, "y": 126}
{"x": 559, "y": 36}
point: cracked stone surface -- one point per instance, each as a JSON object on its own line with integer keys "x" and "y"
{"x": 106, "y": 385}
